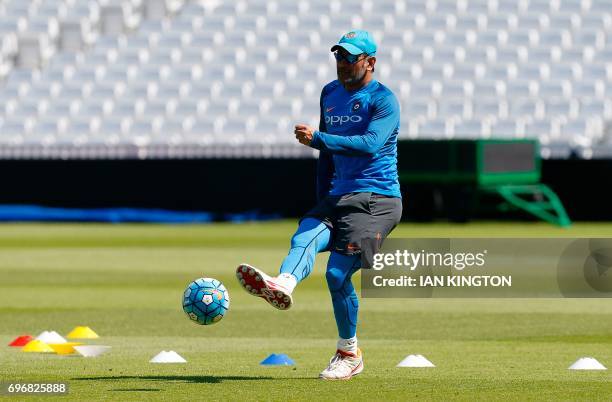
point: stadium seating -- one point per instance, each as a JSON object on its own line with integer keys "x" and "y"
{"x": 145, "y": 78}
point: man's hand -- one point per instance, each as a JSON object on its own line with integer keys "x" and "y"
{"x": 304, "y": 133}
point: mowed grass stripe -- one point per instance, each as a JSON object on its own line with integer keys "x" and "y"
{"x": 126, "y": 282}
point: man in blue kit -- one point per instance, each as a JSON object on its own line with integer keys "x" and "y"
{"x": 358, "y": 190}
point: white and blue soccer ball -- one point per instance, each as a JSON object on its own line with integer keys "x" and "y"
{"x": 206, "y": 301}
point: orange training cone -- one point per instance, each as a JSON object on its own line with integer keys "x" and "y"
{"x": 21, "y": 341}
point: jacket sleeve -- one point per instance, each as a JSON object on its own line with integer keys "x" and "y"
{"x": 385, "y": 118}
{"x": 325, "y": 163}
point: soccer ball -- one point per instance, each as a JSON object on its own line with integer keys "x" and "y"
{"x": 206, "y": 301}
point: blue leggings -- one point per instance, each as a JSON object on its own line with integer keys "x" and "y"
{"x": 340, "y": 269}
{"x": 312, "y": 237}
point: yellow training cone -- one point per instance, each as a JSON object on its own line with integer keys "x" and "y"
{"x": 37, "y": 346}
{"x": 64, "y": 348}
{"x": 82, "y": 333}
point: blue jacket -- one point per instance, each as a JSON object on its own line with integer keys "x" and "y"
{"x": 357, "y": 138}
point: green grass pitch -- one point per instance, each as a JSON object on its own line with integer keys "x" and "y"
{"x": 126, "y": 282}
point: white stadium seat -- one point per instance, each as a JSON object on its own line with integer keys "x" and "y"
{"x": 475, "y": 68}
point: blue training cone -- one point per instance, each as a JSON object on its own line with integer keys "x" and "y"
{"x": 280, "y": 359}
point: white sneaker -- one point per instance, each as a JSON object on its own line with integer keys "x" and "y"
{"x": 259, "y": 284}
{"x": 343, "y": 366}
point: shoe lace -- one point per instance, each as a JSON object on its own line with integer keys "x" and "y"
{"x": 335, "y": 362}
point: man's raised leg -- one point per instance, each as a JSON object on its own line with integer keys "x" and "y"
{"x": 311, "y": 237}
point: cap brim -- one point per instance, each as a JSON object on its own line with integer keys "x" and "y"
{"x": 352, "y": 49}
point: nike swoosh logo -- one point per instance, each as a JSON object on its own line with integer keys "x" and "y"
{"x": 329, "y": 109}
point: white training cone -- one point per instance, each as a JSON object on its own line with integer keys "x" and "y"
{"x": 587, "y": 363}
{"x": 42, "y": 335}
{"x": 167, "y": 357}
{"x": 49, "y": 337}
{"x": 91, "y": 350}
{"x": 415, "y": 361}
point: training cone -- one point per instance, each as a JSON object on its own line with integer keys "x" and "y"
{"x": 82, "y": 333}
{"x": 167, "y": 357}
{"x": 415, "y": 361}
{"x": 277, "y": 360}
{"x": 91, "y": 350}
{"x": 37, "y": 346}
{"x": 21, "y": 341}
{"x": 49, "y": 337}
{"x": 587, "y": 363}
{"x": 66, "y": 348}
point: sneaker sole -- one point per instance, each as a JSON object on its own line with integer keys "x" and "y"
{"x": 356, "y": 371}
{"x": 254, "y": 283}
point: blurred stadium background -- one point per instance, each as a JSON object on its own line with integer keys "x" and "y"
{"x": 189, "y": 105}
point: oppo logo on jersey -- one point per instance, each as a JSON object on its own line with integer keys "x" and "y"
{"x": 340, "y": 120}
